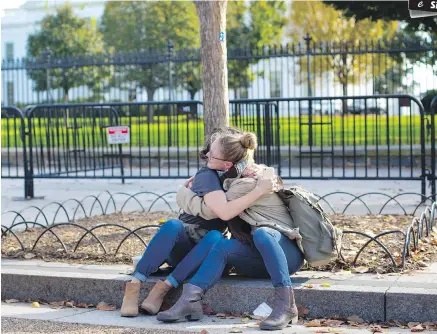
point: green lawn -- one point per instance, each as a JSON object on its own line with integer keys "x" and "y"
{"x": 349, "y": 130}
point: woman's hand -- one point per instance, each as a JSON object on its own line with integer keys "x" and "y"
{"x": 189, "y": 182}
{"x": 267, "y": 186}
{"x": 252, "y": 170}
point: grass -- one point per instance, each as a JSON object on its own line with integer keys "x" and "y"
{"x": 349, "y": 130}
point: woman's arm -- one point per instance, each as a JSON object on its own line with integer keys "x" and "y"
{"x": 217, "y": 202}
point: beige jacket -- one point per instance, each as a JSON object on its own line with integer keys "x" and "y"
{"x": 269, "y": 210}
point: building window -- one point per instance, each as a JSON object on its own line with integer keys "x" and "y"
{"x": 9, "y": 51}
{"x": 275, "y": 84}
{"x": 10, "y": 92}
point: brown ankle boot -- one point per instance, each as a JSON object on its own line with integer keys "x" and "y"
{"x": 188, "y": 307}
{"x": 129, "y": 308}
{"x": 154, "y": 300}
{"x": 284, "y": 311}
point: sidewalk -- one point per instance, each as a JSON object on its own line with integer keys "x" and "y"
{"x": 22, "y": 318}
{"x": 407, "y": 297}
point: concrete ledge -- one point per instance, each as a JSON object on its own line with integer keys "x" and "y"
{"x": 412, "y": 304}
{"x": 364, "y": 295}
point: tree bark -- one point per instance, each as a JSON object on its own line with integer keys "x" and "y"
{"x": 150, "y": 108}
{"x": 212, "y": 18}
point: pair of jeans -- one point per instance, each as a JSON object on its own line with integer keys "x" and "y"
{"x": 172, "y": 244}
{"x": 274, "y": 256}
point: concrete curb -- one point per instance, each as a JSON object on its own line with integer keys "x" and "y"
{"x": 389, "y": 298}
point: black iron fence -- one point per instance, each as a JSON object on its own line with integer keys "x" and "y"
{"x": 420, "y": 211}
{"x": 291, "y": 70}
{"x": 382, "y": 137}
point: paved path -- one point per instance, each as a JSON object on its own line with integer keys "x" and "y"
{"x": 406, "y": 297}
{"x": 22, "y": 318}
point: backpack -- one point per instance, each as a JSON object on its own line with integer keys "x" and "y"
{"x": 321, "y": 240}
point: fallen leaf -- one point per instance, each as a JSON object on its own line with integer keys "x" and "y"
{"x": 84, "y": 305}
{"x": 10, "y": 301}
{"x": 29, "y": 256}
{"x": 376, "y": 329}
{"x": 235, "y": 330}
{"x": 334, "y": 323}
{"x": 418, "y": 328}
{"x": 245, "y": 320}
{"x": 302, "y": 311}
{"x": 360, "y": 270}
{"x": 355, "y": 319}
{"x": 221, "y": 315}
{"x": 256, "y": 317}
{"x": 204, "y": 331}
{"x": 102, "y": 306}
{"x": 326, "y": 285}
{"x": 36, "y": 305}
{"x": 413, "y": 324}
{"x": 309, "y": 286}
{"x": 69, "y": 304}
{"x": 314, "y": 323}
{"x": 57, "y": 304}
{"x": 207, "y": 309}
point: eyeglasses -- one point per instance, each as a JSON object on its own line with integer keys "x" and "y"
{"x": 210, "y": 157}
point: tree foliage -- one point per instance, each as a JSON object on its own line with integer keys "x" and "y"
{"x": 342, "y": 37}
{"x": 250, "y": 26}
{"x": 146, "y": 27}
{"x": 63, "y": 35}
{"x": 388, "y": 11}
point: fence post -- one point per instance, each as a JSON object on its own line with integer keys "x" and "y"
{"x": 268, "y": 134}
{"x": 310, "y": 93}
{"x": 433, "y": 177}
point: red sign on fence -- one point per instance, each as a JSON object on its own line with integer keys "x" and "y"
{"x": 118, "y": 135}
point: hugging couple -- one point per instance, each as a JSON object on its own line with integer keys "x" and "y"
{"x": 229, "y": 192}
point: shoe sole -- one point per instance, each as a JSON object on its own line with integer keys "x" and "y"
{"x": 146, "y": 311}
{"x": 189, "y": 317}
{"x": 277, "y": 328}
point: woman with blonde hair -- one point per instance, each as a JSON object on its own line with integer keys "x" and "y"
{"x": 276, "y": 252}
{"x": 185, "y": 242}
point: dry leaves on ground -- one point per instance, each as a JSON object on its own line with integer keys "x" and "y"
{"x": 372, "y": 259}
{"x": 102, "y": 306}
{"x": 10, "y": 301}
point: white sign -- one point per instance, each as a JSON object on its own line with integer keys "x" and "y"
{"x": 118, "y": 135}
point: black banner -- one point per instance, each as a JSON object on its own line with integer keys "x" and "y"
{"x": 423, "y": 5}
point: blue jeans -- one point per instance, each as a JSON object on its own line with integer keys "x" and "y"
{"x": 171, "y": 244}
{"x": 275, "y": 255}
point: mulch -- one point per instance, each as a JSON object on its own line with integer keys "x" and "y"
{"x": 372, "y": 259}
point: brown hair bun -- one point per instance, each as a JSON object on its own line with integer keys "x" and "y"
{"x": 249, "y": 141}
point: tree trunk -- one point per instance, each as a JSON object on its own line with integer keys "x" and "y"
{"x": 212, "y": 18}
{"x": 192, "y": 94}
{"x": 150, "y": 108}
{"x": 344, "y": 102}
{"x": 66, "y": 95}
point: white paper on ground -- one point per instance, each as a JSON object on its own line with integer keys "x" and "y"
{"x": 263, "y": 310}
{"x": 135, "y": 260}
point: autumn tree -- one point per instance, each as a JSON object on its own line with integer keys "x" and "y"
{"x": 65, "y": 36}
{"x": 387, "y": 11}
{"x": 345, "y": 36}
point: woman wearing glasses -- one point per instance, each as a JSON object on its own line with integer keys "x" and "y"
{"x": 185, "y": 242}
